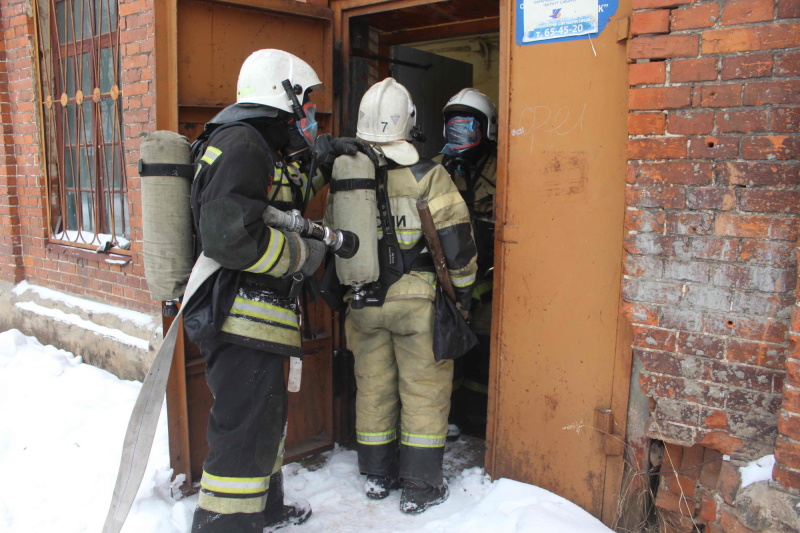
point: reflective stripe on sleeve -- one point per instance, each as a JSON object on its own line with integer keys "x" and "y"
{"x": 384, "y": 437}
{"x": 271, "y": 256}
{"x": 211, "y": 154}
{"x": 464, "y": 281}
{"x": 408, "y": 236}
{"x": 422, "y": 441}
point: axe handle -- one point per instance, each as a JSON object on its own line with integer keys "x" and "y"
{"x": 435, "y": 247}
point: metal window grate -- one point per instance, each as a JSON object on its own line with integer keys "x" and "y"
{"x": 80, "y": 71}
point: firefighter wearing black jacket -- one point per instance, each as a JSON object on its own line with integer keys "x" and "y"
{"x": 246, "y": 318}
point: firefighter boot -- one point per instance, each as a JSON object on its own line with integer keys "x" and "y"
{"x": 205, "y": 521}
{"x": 418, "y": 496}
{"x": 378, "y": 487}
{"x": 292, "y": 514}
{"x": 278, "y": 514}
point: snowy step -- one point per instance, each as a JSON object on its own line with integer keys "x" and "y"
{"x": 119, "y": 340}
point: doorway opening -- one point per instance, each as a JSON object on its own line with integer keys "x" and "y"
{"x": 434, "y": 50}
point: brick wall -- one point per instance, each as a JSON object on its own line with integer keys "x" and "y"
{"x": 24, "y": 249}
{"x": 787, "y": 446}
{"x": 712, "y": 222}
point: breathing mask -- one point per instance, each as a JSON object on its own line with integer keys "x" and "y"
{"x": 462, "y": 133}
{"x": 302, "y": 128}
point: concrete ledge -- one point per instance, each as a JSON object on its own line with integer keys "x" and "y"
{"x": 121, "y": 341}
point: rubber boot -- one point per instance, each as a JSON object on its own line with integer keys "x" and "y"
{"x": 276, "y": 513}
{"x": 418, "y": 496}
{"x": 378, "y": 487}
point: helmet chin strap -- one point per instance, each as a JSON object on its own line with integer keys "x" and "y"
{"x": 291, "y": 92}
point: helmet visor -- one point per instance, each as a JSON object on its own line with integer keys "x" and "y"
{"x": 308, "y": 126}
{"x": 462, "y": 133}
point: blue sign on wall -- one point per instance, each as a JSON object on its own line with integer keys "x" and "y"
{"x": 548, "y": 21}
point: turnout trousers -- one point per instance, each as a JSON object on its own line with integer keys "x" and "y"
{"x": 403, "y": 396}
{"x": 242, "y": 485}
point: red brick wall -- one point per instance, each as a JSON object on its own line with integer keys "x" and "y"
{"x": 10, "y": 241}
{"x": 787, "y": 446}
{"x": 24, "y": 249}
{"x": 712, "y": 220}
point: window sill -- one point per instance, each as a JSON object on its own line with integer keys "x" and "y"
{"x": 111, "y": 258}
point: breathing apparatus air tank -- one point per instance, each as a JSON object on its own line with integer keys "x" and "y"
{"x": 355, "y": 209}
{"x": 166, "y": 170}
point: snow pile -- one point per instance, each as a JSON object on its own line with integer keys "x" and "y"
{"x": 758, "y": 470}
{"x": 61, "y": 429}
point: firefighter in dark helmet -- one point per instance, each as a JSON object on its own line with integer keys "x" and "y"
{"x": 403, "y": 393}
{"x": 470, "y": 156}
{"x": 257, "y": 152}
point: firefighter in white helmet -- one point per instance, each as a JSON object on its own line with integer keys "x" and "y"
{"x": 470, "y": 156}
{"x": 403, "y": 394}
{"x": 245, "y": 318}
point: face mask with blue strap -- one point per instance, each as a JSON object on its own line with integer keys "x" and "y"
{"x": 462, "y": 133}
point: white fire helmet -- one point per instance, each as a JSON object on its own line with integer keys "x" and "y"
{"x": 385, "y": 117}
{"x": 262, "y": 74}
{"x": 472, "y": 101}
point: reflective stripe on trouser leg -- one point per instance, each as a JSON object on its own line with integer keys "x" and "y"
{"x": 422, "y": 386}
{"x": 246, "y": 427}
{"x": 377, "y": 399}
{"x": 425, "y": 387}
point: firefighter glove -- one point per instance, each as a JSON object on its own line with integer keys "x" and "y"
{"x": 316, "y": 252}
{"x": 327, "y": 149}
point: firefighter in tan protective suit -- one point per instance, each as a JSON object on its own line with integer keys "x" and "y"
{"x": 470, "y": 156}
{"x": 403, "y": 396}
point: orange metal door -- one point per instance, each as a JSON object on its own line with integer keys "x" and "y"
{"x": 559, "y": 385}
{"x": 201, "y": 46}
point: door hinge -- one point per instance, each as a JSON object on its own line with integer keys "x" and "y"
{"x": 613, "y": 443}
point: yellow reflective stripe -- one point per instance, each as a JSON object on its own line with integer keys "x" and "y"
{"x": 264, "y": 311}
{"x": 234, "y": 485}
{"x": 476, "y": 387}
{"x": 271, "y": 256}
{"x": 383, "y": 437}
{"x": 244, "y": 91}
{"x": 246, "y": 327}
{"x": 481, "y": 289}
{"x": 230, "y": 505}
{"x": 281, "y": 451}
{"x": 423, "y": 441}
{"x": 409, "y": 236}
{"x": 445, "y": 201}
{"x": 211, "y": 155}
{"x": 464, "y": 281}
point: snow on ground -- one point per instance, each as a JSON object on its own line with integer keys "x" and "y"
{"x": 62, "y": 423}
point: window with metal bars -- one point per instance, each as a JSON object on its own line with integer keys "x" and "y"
{"x": 79, "y": 54}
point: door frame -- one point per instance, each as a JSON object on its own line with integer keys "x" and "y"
{"x": 613, "y": 426}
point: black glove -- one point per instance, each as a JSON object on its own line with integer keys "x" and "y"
{"x": 327, "y": 149}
